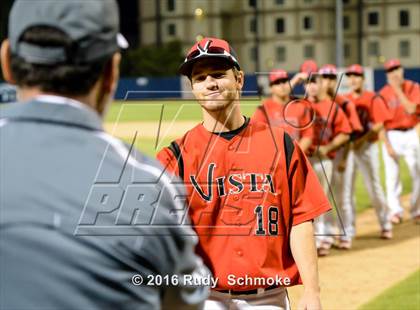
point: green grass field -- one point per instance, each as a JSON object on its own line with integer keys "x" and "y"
{"x": 404, "y": 295}
{"x": 186, "y": 110}
{"x": 190, "y": 111}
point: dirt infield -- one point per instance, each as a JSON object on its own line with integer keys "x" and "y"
{"x": 349, "y": 279}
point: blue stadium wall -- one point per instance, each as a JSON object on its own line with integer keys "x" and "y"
{"x": 148, "y": 88}
{"x": 143, "y": 88}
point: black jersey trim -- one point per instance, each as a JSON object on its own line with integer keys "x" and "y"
{"x": 174, "y": 147}
{"x": 289, "y": 148}
{"x": 229, "y": 135}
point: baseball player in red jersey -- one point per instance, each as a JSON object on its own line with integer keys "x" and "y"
{"x": 400, "y": 137}
{"x": 329, "y": 88}
{"x": 364, "y": 153}
{"x": 331, "y": 131}
{"x": 294, "y": 116}
{"x": 252, "y": 193}
{"x": 308, "y": 67}
{"x": 329, "y": 85}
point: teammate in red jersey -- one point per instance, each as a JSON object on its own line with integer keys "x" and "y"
{"x": 294, "y": 116}
{"x": 328, "y": 91}
{"x": 372, "y": 114}
{"x": 329, "y": 84}
{"x": 331, "y": 131}
{"x": 252, "y": 193}
{"x": 402, "y": 98}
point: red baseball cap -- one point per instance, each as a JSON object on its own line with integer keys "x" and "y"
{"x": 309, "y": 66}
{"x": 392, "y": 63}
{"x": 208, "y": 48}
{"x": 328, "y": 70}
{"x": 355, "y": 69}
{"x": 278, "y": 74}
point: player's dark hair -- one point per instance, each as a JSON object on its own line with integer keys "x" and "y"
{"x": 64, "y": 78}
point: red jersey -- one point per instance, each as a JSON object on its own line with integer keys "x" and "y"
{"x": 349, "y": 108}
{"x": 330, "y": 120}
{"x": 370, "y": 110}
{"x": 246, "y": 189}
{"x": 294, "y": 117}
{"x": 400, "y": 118}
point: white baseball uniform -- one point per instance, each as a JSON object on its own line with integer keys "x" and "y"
{"x": 371, "y": 111}
{"x": 404, "y": 140}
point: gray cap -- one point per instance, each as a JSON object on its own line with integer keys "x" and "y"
{"x": 92, "y": 25}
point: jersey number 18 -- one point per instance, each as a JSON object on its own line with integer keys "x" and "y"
{"x": 272, "y": 223}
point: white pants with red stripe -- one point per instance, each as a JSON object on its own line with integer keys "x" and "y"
{"x": 324, "y": 224}
{"x": 367, "y": 160}
{"x": 405, "y": 144}
{"x": 275, "y": 299}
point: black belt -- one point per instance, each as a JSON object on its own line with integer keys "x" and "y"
{"x": 249, "y": 292}
{"x": 402, "y": 129}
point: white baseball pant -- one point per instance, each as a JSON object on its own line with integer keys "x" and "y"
{"x": 367, "y": 160}
{"x": 324, "y": 224}
{"x": 275, "y": 299}
{"x": 337, "y": 185}
{"x": 406, "y": 144}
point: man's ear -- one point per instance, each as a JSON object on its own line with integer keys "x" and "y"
{"x": 240, "y": 79}
{"x": 111, "y": 74}
{"x": 107, "y": 84}
{"x": 5, "y": 62}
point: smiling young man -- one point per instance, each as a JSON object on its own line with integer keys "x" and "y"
{"x": 252, "y": 193}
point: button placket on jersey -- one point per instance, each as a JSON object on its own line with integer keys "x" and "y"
{"x": 230, "y": 160}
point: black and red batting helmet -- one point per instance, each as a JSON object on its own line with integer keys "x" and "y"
{"x": 209, "y": 48}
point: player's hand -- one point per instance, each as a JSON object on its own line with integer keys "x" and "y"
{"x": 342, "y": 166}
{"x": 391, "y": 152}
{"x": 301, "y": 76}
{"x": 310, "y": 301}
{"x": 323, "y": 151}
{"x": 358, "y": 143}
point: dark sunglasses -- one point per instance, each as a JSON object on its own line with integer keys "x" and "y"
{"x": 329, "y": 76}
{"x": 353, "y": 74}
{"x": 393, "y": 69}
{"x": 279, "y": 81}
{"x": 211, "y": 51}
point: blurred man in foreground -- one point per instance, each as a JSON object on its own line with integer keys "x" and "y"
{"x": 69, "y": 191}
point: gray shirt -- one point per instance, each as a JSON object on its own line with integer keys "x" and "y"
{"x": 81, "y": 214}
